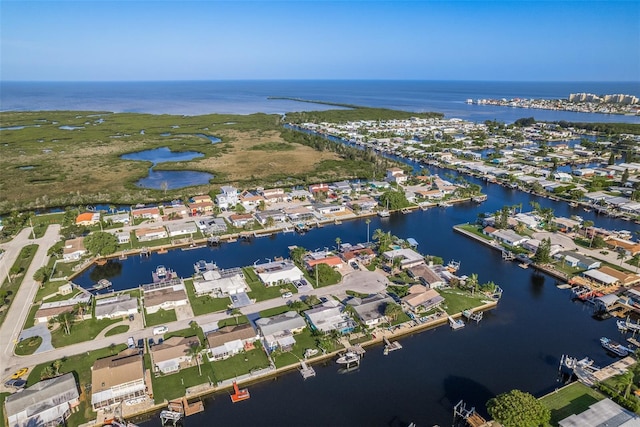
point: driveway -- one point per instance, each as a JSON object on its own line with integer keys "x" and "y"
{"x": 556, "y": 239}
{"x": 39, "y": 330}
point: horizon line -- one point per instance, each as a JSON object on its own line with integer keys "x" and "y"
{"x": 318, "y": 79}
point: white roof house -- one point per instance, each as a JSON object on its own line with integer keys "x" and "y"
{"x": 47, "y": 402}
{"x": 371, "y": 309}
{"x": 220, "y": 282}
{"x": 330, "y": 316}
{"x": 601, "y": 277}
{"x": 290, "y": 321}
{"x": 409, "y": 257}
{"x": 602, "y": 413}
{"x": 228, "y": 197}
{"x": 275, "y": 272}
{"x": 118, "y": 306}
{"x": 179, "y": 229}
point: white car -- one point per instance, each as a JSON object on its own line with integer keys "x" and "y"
{"x": 287, "y": 295}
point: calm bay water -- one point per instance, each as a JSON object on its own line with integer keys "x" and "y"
{"x": 518, "y": 345}
{"x": 246, "y": 97}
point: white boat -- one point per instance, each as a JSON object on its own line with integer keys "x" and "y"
{"x": 614, "y": 347}
{"x": 348, "y": 358}
{"x": 384, "y": 213}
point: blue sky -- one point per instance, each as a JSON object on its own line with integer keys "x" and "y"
{"x": 418, "y": 40}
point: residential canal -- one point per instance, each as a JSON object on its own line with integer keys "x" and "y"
{"x": 518, "y": 345}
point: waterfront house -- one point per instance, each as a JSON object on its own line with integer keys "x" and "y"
{"x": 329, "y": 209}
{"x": 118, "y": 378}
{"x": 183, "y": 228}
{"x": 172, "y": 354}
{"x": 330, "y": 260}
{"x": 371, "y": 309}
{"x": 49, "y": 310}
{"x": 113, "y": 307}
{"x": 509, "y": 237}
{"x": 299, "y": 213}
{"x": 277, "y": 331}
{"x": 88, "y": 218}
{"x": 330, "y": 316}
{"x": 365, "y": 203}
{"x": 565, "y": 225}
{"x": 532, "y": 246}
{"x": 408, "y": 257}
{"x": 278, "y": 272}
{"x": 240, "y": 220}
{"x": 228, "y": 197}
{"x": 73, "y": 249}
{"x": 421, "y": 298}
{"x": 46, "y": 403}
{"x": 220, "y": 282}
{"x": 341, "y": 187}
{"x": 426, "y": 275}
{"x": 150, "y": 233}
{"x": 603, "y": 413}
{"x": 212, "y": 225}
{"x": 146, "y": 213}
{"x": 123, "y": 237}
{"x": 276, "y": 215}
{"x": 562, "y": 177}
{"x": 165, "y": 296}
{"x": 625, "y": 279}
{"x": 601, "y": 278}
{"x": 577, "y": 260}
{"x": 230, "y": 340}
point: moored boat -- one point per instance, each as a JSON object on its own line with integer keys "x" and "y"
{"x": 348, "y": 358}
{"x": 614, "y": 347}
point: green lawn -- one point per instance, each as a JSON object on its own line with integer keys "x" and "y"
{"x": 240, "y": 364}
{"x": 17, "y": 272}
{"x": 238, "y": 320}
{"x": 260, "y": 292}
{"x": 28, "y": 346}
{"x": 402, "y": 317}
{"x": 49, "y": 288}
{"x": 31, "y": 317}
{"x": 65, "y": 269}
{"x": 473, "y": 229}
{"x": 572, "y": 399}
{"x": 457, "y": 300}
{"x": 120, "y": 329}
{"x": 274, "y": 311}
{"x": 81, "y": 365}
{"x": 173, "y": 386}
{"x": 304, "y": 340}
{"x": 204, "y": 304}
{"x": 85, "y": 330}
{"x": 160, "y": 317}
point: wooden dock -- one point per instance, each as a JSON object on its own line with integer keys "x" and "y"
{"x": 472, "y": 418}
{"x": 390, "y": 346}
{"x": 455, "y": 324}
{"x": 471, "y": 315}
{"x": 306, "y": 371}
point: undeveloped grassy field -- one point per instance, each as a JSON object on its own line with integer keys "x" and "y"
{"x": 43, "y": 165}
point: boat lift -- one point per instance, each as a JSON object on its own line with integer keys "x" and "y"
{"x": 472, "y": 418}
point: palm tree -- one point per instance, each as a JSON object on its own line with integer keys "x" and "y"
{"x": 392, "y": 310}
{"x": 57, "y": 364}
{"x": 194, "y": 351}
{"x": 635, "y": 260}
{"x": 621, "y": 256}
{"x": 65, "y": 320}
{"x": 46, "y": 373}
{"x": 472, "y": 282}
{"x": 235, "y": 312}
{"x": 338, "y": 242}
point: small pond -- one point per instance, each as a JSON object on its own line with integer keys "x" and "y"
{"x": 161, "y": 155}
{"x": 172, "y": 179}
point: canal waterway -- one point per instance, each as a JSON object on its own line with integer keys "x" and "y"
{"x": 518, "y": 345}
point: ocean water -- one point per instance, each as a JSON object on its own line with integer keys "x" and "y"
{"x": 246, "y": 97}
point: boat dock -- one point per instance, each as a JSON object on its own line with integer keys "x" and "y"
{"x": 171, "y": 418}
{"x": 471, "y": 417}
{"x": 455, "y": 323}
{"x": 471, "y": 315}
{"x": 390, "y": 346}
{"x": 306, "y": 371}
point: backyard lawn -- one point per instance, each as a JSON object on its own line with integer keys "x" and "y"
{"x": 572, "y": 399}
{"x": 260, "y": 292}
{"x": 173, "y": 386}
{"x": 456, "y": 300}
{"x": 240, "y": 364}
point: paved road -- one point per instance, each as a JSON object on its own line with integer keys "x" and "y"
{"x": 12, "y": 326}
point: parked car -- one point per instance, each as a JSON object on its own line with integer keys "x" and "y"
{"x": 287, "y": 295}
{"x": 151, "y": 342}
{"x": 131, "y": 342}
{"x": 159, "y": 330}
{"x": 354, "y": 265}
{"x": 20, "y": 372}
{"x": 131, "y": 317}
{"x": 17, "y": 383}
